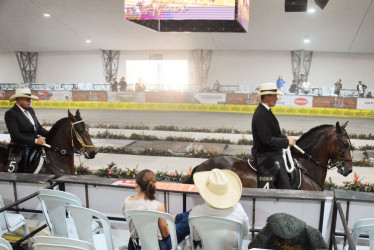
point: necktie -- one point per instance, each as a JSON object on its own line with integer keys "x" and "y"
{"x": 28, "y": 115}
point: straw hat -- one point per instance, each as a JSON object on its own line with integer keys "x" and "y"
{"x": 24, "y": 92}
{"x": 219, "y": 188}
{"x": 269, "y": 89}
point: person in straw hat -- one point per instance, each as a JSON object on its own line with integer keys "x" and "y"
{"x": 25, "y": 131}
{"x": 268, "y": 141}
{"x": 221, "y": 191}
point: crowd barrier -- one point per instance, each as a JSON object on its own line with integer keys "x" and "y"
{"x": 317, "y": 209}
{"x": 335, "y": 112}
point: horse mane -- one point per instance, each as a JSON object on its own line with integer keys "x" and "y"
{"x": 305, "y": 141}
{"x": 56, "y": 127}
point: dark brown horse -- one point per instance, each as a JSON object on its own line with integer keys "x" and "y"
{"x": 326, "y": 146}
{"x": 68, "y": 135}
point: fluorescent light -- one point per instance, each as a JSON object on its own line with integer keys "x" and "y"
{"x": 46, "y": 15}
{"x": 306, "y": 40}
{"x": 88, "y": 41}
{"x": 311, "y": 10}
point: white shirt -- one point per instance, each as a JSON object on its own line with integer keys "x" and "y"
{"x": 28, "y": 115}
{"x": 235, "y": 213}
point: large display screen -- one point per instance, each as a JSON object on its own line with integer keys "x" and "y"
{"x": 185, "y": 10}
{"x": 243, "y": 13}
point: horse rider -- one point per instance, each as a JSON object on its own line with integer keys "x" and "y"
{"x": 26, "y": 134}
{"x": 268, "y": 141}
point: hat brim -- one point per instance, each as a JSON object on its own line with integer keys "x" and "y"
{"x": 270, "y": 93}
{"x": 227, "y": 200}
{"x": 13, "y": 97}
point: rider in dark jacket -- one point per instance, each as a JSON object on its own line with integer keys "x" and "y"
{"x": 25, "y": 131}
{"x": 268, "y": 141}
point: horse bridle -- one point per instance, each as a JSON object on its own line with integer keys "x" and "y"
{"x": 79, "y": 138}
{"x": 63, "y": 152}
{"x": 340, "y": 163}
{"x": 330, "y": 164}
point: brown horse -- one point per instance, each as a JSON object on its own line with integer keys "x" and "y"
{"x": 68, "y": 135}
{"x": 325, "y": 147}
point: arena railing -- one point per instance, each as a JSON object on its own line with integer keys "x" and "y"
{"x": 22, "y": 185}
{"x": 351, "y": 206}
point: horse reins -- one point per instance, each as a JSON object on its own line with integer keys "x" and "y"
{"x": 329, "y": 166}
{"x": 63, "y": 152}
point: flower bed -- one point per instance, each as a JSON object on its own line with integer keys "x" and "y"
{"x": 112, "y": 171}
{"x": 223, "y": 129}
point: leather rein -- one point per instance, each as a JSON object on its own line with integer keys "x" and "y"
{"x": 63, "y": 152}
{"x": 330, "y": 164}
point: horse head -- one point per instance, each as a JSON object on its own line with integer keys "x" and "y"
{"x": 341, "y": 152}
{"x": 81, "y": 139}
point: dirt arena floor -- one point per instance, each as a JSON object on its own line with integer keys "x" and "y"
{"x": 197, "y": 119}
{"x": 194, "y": 120}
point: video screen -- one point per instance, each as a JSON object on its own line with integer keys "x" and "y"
{"x": 183, "y": 10}
{"x": 243, "y": 13}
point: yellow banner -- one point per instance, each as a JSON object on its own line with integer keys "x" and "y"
{"x": 196, "y": 107}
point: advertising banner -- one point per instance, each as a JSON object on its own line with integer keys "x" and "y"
{"x": 210, "y": 98}
{"x": 126, "y": 96}
{"x": 334, "y": 102}
{"x": 100, "y": 96}
{"x": 365, "y": 103}
{"x": 295, "y": 101}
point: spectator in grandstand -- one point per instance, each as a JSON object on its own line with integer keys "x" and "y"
{"x": 26, "y": 133}
{"x": 122, "y": 84}
{"x": 204, "y": 87}
{"x": 137, "y": 87}
{"x": 142, "y": 87}
{"x": 145, "y": 200}
{"x": 361, "y": 89}
{"x": 221, "y": 191}
{"x": 306, "y": 86}
{"x": 216, "y": 86}
{"x": 369, "y": 95}
{"x": 114, "y": 85}
{"x": 293, "y": 88}
{"x": 338, "y": 86}
{"x": 280, "y": 82}
{"x": 268, "y": 142}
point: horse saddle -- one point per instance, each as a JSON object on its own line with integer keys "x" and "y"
{"x": 17, "y": 160}
{"x": 295, "y": 175}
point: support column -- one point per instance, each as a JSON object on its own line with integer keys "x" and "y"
{"x": 27, "y": 62}
{"x": 110, "y": 59}
{"x": 301, "y": 61}
{"x": 201, "y": 59}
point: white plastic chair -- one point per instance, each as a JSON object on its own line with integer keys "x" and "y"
{"x": 5, "y": 245}
{"x": 146, "y": 224}
{"x": 10, "y": 222}
{"x": 214, "y": 231}
{"x": 41, "y": 242}
{"x": 53, "y": 205}
{"x": 362, "y": 226}
{"x": 84, "y": 216}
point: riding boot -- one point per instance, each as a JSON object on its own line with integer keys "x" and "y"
{"x": 267, "y": 171}
{"x": 282, "y": 179}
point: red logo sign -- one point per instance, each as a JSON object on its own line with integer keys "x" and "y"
{"x": 301, "y": 101}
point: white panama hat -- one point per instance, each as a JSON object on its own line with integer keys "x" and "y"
{"x": 269, "y": 89}
{"x": 219, "y": 188}
{"x": 24, "y": 92}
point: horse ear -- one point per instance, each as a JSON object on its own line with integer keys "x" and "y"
{"x": 71, "y": 116}
{"x": 344, "y": 125}
{"x": 78, "y": 114}
{"x": 338, "y": 128}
